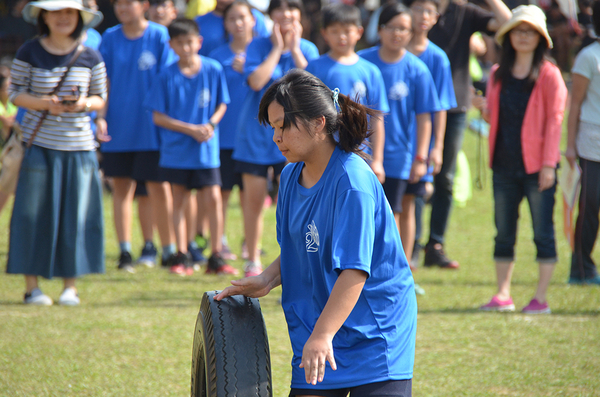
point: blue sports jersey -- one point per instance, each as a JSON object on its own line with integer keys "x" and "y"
{"x": 439, "y": 65}
{"x": 410, "y": 91}
{"x": 213, "y": 32}
{"x": 236, "y": 83}
{"x": 254, "y": 143}
{"x": 345, "y": 222}
{"x": 132, "y": 67}
{"x": 361, "y": 79}
{"x": 192, "y": 100}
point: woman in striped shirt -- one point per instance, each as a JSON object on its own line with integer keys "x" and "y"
{"x": 56, "y": 227}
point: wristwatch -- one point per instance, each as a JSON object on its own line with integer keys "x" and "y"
{"x": 213, "y": 125}
{"x": 88, "y": 106}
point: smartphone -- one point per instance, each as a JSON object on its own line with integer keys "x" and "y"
{"x": 74, "y": 94}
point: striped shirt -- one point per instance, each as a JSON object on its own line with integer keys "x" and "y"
{"x": 37, "y": 72}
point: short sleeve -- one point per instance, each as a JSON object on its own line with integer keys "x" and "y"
{"x": 223, "y": 91}
{"x": 442, "y": 78}
{"x": 585, "y": 65}
{"x": 426, "y": 97}
{"x": 20, "y": 78}
{"x": 353, "y": 231}
{"x": 155, "y": 99}
{"x": 98, "y": 82}
{"x": 167, "y": 55}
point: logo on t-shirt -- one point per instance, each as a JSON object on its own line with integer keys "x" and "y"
{"x": 359, "y": 89}
{"x": 312, "y": 238}
{"x": 204, "y": 98}
{"x": 398, "y": 91}
{"x": 146, "y": 60}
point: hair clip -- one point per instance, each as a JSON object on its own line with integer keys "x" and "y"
{"x": 335, "y": 94}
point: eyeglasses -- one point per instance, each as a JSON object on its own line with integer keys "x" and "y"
{"x": 424, "y": 11}
{"x": 396, "y": 29}
{"x": 529, "y": 33}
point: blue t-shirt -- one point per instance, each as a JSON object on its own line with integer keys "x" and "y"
{"x": 345, "y": 222}
{"x": 439, "y": 65}
{"x": 254, "y": 142}
{"x": 93, "y": 39}
{"x": 410, "y": 91}
{"x": 213, "y": 32}
{"x": 192, "y": 100}
{"x": 362, "y": 79}
{"x": 132, "y": 67}
{"x": 237, "y": 85}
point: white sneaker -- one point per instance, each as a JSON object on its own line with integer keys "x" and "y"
{"x": 69, "y": 297}
{"x": 37, "y": 297}
{"x": 252, "y": 269}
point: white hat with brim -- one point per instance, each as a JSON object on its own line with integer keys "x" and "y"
{"x": 32, "y": 11}
{"x": 531, "y": 14}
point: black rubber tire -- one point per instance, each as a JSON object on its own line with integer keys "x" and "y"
{"x": 231, "y": 349}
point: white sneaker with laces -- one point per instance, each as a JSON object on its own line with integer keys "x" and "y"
{"x": 37, "y": 297}
{"x": 69, "y": 297}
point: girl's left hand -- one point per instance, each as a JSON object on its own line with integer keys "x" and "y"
{"x": 78, "y": 106}
{"x": 317, "y": 351}
{"x": 546, "y": 178}
{"x": 293, "y": 36}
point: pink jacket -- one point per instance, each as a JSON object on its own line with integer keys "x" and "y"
{"x": 542, "y": 124}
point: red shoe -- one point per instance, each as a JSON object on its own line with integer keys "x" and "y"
{"x": 225, "y": 269}
{"x": 177, "y": 269}
{"x": 189, "y": 270}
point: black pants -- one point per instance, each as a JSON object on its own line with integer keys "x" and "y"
{"x": 586, "y": 229}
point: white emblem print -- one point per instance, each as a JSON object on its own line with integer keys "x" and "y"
{"x": 312, "y": 238}
{"x": 359, "y": 89}
{"x": 204, "y": 98}
{"x": 146, "y": 60}
{"x": 399, "y": 91}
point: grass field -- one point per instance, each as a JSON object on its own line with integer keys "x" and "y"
{"x": 132, "y": 335}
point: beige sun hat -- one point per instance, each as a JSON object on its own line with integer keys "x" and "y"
{"x": 32, "y": 11}
{"x": 531, "y": 14}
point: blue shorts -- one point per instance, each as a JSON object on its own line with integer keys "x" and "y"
{"x": 139, "y": 166}
{"x": 388, "y": 388}
{"x": 396, "y": 189}
{"x": 229, "y": 176}
{"x": 191, "y": 179}
{"x": 258, "y": 169}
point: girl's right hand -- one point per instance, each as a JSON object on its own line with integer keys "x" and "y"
{"x": 252, "y": 287}
{"x": 571, "y": 155}
{"x": 55, "y": 106}
{"x": 238, "y": 62}
{"x": 276, "y": 37}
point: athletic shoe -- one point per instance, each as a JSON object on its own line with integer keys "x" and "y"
{"x": 414, "y": 260}
{"x": 37, "y": 297}
{"x": 69, "y": 297}
{"x": 217, "y": 265}
{"x": 497, "y": 305}
{"x": 535, "y": 307}
{"x": 419, "y": 290}
{"x": 125, "y": 262}
{"x": 583, "y": 281}
{"x": 196, "y": 255}
{"x": 435, "y": 256}
{"x": 179, "y": 263}
{"x": 148, "y": 255}
{"x": 252, "y": 269}
{"x": 227, "y": 254}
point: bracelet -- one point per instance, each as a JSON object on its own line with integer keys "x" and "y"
{"x": 421, "y": 159}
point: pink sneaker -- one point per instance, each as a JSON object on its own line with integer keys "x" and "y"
{"x": 497, "y": 305}
{"x": 252, "y": 269}
{"x": 535, "y": 307}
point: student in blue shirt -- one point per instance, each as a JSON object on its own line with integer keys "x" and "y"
{"x": 267, "y": 59}
{"x": 342, "y": 68}
{"x": 347, "y": 289}
{"x": 135, "y": 52}
{"x": 239, "y": 23}
{"x": 425, "y": 15}
{"x": 413, "y": 97}
{"x": 188, "y": 100}
{"x": 213, "y": 29}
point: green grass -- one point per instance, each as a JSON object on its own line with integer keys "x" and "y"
{"x": 132, "y": 336}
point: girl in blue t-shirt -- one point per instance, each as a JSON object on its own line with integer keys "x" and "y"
{"x": 347, "y": 289}
{"x": 239, "y": 23}
{"x": 268, "y": 58}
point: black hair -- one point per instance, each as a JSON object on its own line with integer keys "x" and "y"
{"x": 159, "y": 2}
{"x": 340, "y": 13}
{"x": 183, "y": 27}
{"x": 596, "y": 16}
{"x": 237, "y": 3}
{"x": 391, "y": 11}
{"x": 409, "y": 3}
{"x": 274, "y": 4}
{"x": 508, "y": 56}
{"x": 305, "y": 98}
{"x": 44, "y": 30}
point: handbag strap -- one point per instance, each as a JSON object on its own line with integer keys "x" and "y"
{"x": 76, "y": 55}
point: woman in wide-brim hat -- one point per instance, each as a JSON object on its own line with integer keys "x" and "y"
{"x": 526, "y": 98}
{"x": 57, "y": 226}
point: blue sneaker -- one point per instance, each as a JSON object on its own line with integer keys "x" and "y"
{"x": 196, "y": 254}
{"x": 148, "y": 255}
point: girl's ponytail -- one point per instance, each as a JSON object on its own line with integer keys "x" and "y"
{"x": 353, "y": 125}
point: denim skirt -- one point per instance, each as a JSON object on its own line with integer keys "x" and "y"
{"x": 56, "y": 229}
